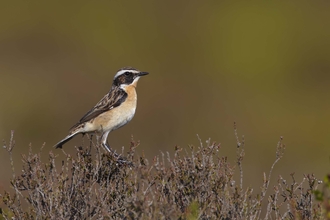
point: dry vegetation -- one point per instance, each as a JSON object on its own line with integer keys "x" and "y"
{"x": 194, "y": 183}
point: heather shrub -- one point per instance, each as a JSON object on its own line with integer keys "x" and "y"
{"x": 196, "y": 182}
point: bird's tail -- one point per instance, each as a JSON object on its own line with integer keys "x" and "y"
{"x": 66, "y": 139}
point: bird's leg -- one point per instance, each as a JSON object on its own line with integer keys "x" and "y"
{"x": 107, "y": 148}
{"x": 118, "y": 157}
{"x": 104, "y": 141}
{"x": 90, "y": 142}
{"x": 97, "y": 138}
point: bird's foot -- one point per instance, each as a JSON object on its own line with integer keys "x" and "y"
{"x": 119, "y": 159}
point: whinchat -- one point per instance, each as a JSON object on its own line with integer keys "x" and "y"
{"x": 113, "y": 111}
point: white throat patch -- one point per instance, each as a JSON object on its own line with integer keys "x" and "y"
{"x": 123, "y": 86}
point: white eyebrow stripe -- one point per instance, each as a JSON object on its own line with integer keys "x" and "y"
{"x": 120, "y": 72}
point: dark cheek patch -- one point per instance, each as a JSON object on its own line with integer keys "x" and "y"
{"x": 124, "y": 80}
{"x": 120, "y": 80}
{"x": 129, "y": 79}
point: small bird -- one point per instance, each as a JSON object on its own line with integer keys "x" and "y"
{"x": 113, "y": 111}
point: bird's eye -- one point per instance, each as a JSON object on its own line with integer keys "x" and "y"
{"x": 127, "y": 73}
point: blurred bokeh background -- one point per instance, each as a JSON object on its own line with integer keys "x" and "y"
{"x": 265, "y": 65}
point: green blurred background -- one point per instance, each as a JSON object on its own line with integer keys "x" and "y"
{"x": 265, "y": 65}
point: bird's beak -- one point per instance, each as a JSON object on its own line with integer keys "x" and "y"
{"x": 143, "y": 73}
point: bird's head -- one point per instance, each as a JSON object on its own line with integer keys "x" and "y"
{"x": 127, "y": 76}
